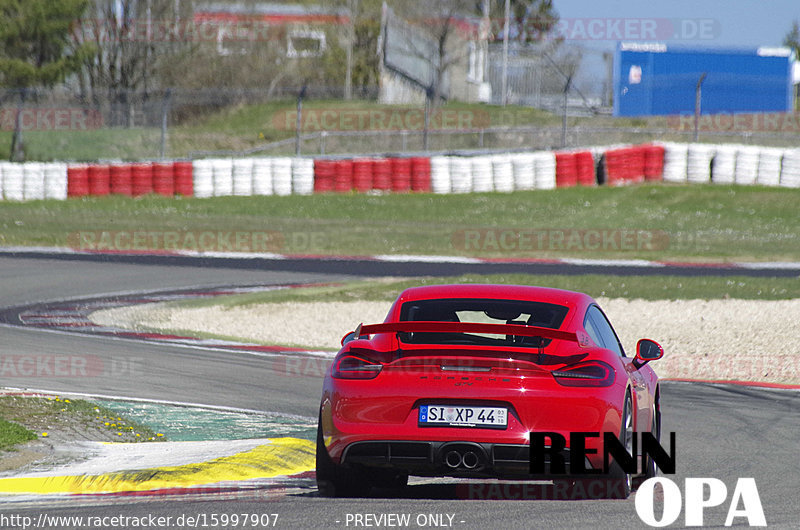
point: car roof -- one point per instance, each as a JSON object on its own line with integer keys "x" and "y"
{"x": 497, "y": 291}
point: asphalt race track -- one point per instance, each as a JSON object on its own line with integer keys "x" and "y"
{"x": 724, "y": 431}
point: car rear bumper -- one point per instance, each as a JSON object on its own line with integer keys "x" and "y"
{"x": 449, "y": 458}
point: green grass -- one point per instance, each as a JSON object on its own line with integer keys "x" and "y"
{"x": 12, "y": 434}
{"x": 241, "y": 127}
{"x": 694, "y": 223}
{"x": 632, "y": 287}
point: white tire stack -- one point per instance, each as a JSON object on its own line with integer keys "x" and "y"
{"x": 303, "y": 176}
{"x": 545, "y": 170}
{"x": 746, "y": 165}
{"x": 723, "y": 168}
{"x": 282, "y": 176}
{"x": 13, "y": 181}
{"x": 502, "y": 173}
{"x": 55, "y": 180}
{"x": 482, "y": 179}
{"x": 262, "y": 176}
{"x": 242, "y": 173}
{"x": 769, "y": 166}
{"x": 223, "y": 176}
{"x": 675, "y": 162}
{"x": 461, "y": 174}
{"x": 203, "y": 178}
{"x": 440, "y": 174}
{"x": 698, "y": 163}
{"x": 790, "y": 172}
{"x": 524, "y": 171}
{"x": 32, "y": 181}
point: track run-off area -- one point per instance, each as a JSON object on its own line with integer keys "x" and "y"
{"x": 722, "y": 431}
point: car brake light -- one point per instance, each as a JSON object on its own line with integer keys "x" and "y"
{"x": 352, "y": 367}
{"x": 593, "y": 373}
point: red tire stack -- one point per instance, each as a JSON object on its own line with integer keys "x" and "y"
{"x": 142, "y": 179}
{"x": 343, "y": 181}
{"x": 324, "y": 175}
{"x": 584, "y": 166}
{"x": 653, "y": 162}
{"x": 401, "y": 174}
{"x": 382, "y": 174}
{"x": 615, "y": 165}
{"x": 362, "y": 174}
{"x": 421, "y": 174}
{"x": 636, "y": 163}
{"x": 163, "y": 179}
{"x": 566, "y": 170}
{"x": 78, "y": 181}
{"x": 120, "y": 176}
{"x": 99, "y": 180}
{"x": 184, "y": 183}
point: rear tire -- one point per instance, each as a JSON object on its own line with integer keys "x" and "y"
{"x": 619, "y": 480}
{"x": 651, "y": 470}
{"x": 335, "y": 480}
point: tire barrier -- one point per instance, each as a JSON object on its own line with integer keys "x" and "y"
{"x": 203, "y": 178}
{"x": 77, "y": 181}
{"x": 362, "y": 175}
{"x": 502, "y": 173}
{"x": 698, "y": 163}
{"x": 545, "y": 168}
{"x": 566, "y": 170}
{"x": 401, "y": 175}
{"x": 675, "y": 162}
{"x": 121, "y": 179}
{"x": 142, "y": 179}
{"x": 746, "y": 165}
{"x": 303, "y": 176}
{"x": 723, "y": 166}
{"x": 99, "y": 180}
{"x": 460, "y": 174}
{"x": 790, "y": 170}
{"x": 242, "y": 176}
{"x": 505, "y": 172}
{"x": 55, "y": 180}
{"x": 482, "y": 179}
{"x": 32, "y": 181}
{"x": 262, "y": 176}
{"x": 653, "y": 162}
{"x": 282, "y": 176}
{"x": 164, "y": 179}
{"x": 182, "y": 171}
{"x": 382, "y": 174}
{"x": 421, "y": 174}
{"x": 769, "y": 166}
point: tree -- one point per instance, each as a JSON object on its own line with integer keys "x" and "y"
{"x": 34, "y": 49}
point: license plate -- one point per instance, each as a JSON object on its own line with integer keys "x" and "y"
{"x": 454, "y": 416}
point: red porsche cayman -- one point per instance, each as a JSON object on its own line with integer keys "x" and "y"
{"x": 457, "y": 376}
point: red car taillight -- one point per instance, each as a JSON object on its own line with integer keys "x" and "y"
{"x": 594, "y": 373}
{"x": 352, "y": 367}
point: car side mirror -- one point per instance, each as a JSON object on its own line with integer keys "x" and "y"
{"x": 647, "y": 350}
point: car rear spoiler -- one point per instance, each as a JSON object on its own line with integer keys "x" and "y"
{"x": 518, "y": 330}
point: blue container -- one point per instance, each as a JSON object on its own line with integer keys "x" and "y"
{"x": 656, "y": 80}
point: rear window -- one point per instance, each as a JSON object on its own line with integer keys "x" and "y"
{"x": 485, "y": 311}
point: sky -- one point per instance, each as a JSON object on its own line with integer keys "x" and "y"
{"x": 718, "y": 23}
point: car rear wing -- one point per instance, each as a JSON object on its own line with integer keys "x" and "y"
{"x": 518, "y": 330}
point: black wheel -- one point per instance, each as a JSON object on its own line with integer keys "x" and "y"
{"x": 334, "y": 480}
{"x": 620, "y": 481}
{"x": 650, "y": 469}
